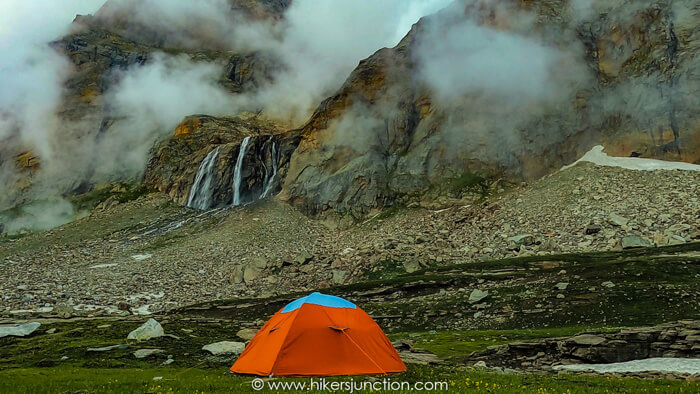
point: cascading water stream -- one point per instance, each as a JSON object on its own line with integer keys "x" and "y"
{"x": 237, "y": 172}
{"x": 201, "y": 192}
{"x": 269, "y": 182}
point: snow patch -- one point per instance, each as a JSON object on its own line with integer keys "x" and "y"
{"x": 598, "y": 157}
{"x": 679, "y": 365}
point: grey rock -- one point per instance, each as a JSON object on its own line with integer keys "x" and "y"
{"x": 634, "y": 241}
{"x": 260, "y": 262}
{"x": 478, "y": 295}
{"x": 224, "y": 348}
{"x": 107, "y": 348}
{"x": 64, "y": 309}
{"x": 150, "y": 329}
{"x": 517, "y": 241}
{"x": 339, "y": 277}
{"x": 303, "y": 258}
{"x": 246, "y": 333}
{"x": 617, "y": 220}
{"x": 562, "y": 285}
{"x": 18, "y": 330}
{"x": 411, "y": 266}
{"x": 251, "y": 273}
{"x": 237, "y": 275}
{"x": 143, "y": 353}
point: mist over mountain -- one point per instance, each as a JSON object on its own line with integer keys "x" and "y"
{"x": 503, "y": 88}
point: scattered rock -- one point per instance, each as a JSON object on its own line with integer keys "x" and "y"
{"x": 251, "y": 273}
{"x": 478, "y": 295}
{"x": 64, "y": 310}
{"x": 608, "y": 284}
{"x": 634, "y": 241}
{"x": 246, "y": 333}
{"x": 224, "y": 348}
{"x": 562, "y": 285}
{"x": 411, "y": 266}
{"x": 592, "y": 229}
{"x": 150, "y": 329}
{"x": 18, "y": 330}
{"x": 517, "y": 241}
{"x": 107, "y": 348}
{"x": 303, "y": 258}
{"x": 339, "y": 277}
{"x": 617, "y": 220}
{"x": 143, "y": 353}
{"x": 260, "y": 262}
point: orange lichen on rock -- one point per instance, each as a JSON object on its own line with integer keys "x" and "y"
{"x": 27, "y": 161}
{"x": 187, "y": 127}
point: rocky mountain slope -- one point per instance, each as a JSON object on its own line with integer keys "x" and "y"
{"x": 101, "y": 48}
{"x": 152, "y": 252}
{"x": 624, "y": 75}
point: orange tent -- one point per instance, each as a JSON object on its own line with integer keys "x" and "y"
{"x": 319, "y": 335}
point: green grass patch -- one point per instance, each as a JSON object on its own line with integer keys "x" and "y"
{"x": 195, "y": 380}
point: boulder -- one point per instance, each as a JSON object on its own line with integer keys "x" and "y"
{"x": 150, "y": 329}
{"x": 617, "y": 220}
{"x": 236, "y": 277}
{"x": 18, "y": 330}
{"x": 411, "y": 266}
{"x": 517, "y": 241}
{"x": 251, "y": 273}
{"x": 224, "y": 348}
{"x": 246, "y": 333}
{"x": 478, "y": 295}
{"x": 634, "y": 241}
{"x": 260, "y": 262}
{"x": 143, "y": 353}
{"x": 339, "y": 277}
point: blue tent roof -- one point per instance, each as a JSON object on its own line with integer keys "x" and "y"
{"x": 319, "y": 299}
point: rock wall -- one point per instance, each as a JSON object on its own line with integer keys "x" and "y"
{"x": 175, "y": 161}
{"x": 385, "y": 133}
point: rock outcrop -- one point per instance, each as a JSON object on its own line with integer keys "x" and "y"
{"x": 99, "y": 48}
{"x": 175, "y": 161}
{"x": 623, "y": 78}
{"x": 679, "y": 339}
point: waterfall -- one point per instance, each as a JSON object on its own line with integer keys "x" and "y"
{"x": 202, "y": 191}
{"x": 237, "y": 172}
{"x": 270, "y": 182}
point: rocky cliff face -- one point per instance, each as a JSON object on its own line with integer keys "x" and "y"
{"x": 176, "y": 161}
{"x": 100, "y": 48}
{"x": 623, "y": 74}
